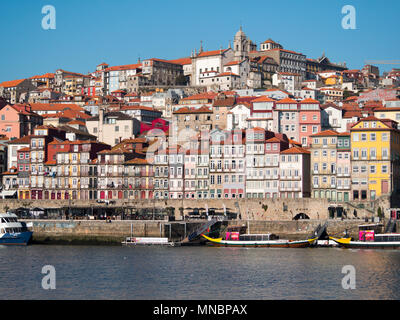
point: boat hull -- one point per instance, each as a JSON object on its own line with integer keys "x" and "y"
{"x": 261, "y": 244}
{"x": 21, "y": 238}
{"x": 345, "y": 243}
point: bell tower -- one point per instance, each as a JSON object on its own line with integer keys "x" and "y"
{"x": 240, "y": 45}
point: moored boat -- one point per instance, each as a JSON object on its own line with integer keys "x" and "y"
{"x": 235, "y": 239}
{"x": 381, "y": 241}
{"x": 13, "y": 232}
{"x": 370, "y": 237}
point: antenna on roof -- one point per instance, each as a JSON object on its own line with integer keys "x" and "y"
{"x": 201, "y": 46}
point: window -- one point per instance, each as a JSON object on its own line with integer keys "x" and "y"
{"x": 363, "y": 153}
{"x": 372, "y": 153}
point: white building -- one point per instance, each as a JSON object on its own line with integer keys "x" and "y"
{"x": 331, "y": 118}
{"x": 237, "y": 117}
{"x": 294, "y": 168}
{"x": 209, "y": 61}
{"x": 289, "y": 81}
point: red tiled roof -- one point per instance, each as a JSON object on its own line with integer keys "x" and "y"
{"x": 211, "y": 53}
{"x": 184, "y": 110}
{"x": 295, "y": 150}
{"x": 309, "y": 100}
{"x": 325, "y": 133}
{"x": 138, "y": 161}
{"x": 201, "y": 96}
{"x": 224, "y": 102}
{"x": 227, "y": 74}
{"x": 351, "y": 114}
{"x": 263, "y": 99}
{"x": 55, "y": 107}
{"x": 273, "y": 139}
{"x": 23, "y": 140}
{"x": 287, "y": 100}
{"x": 137, "y": 108}
{"x": 182, "y": 61}
{"x": 124, "y": 67}
{"x": 46, "y": 75}
{"x": 233, "y": 63}
{"x": 76, "y": 122}
{"x": 12, "y": 83}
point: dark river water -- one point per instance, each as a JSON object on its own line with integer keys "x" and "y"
{"x": 185, "y": 273}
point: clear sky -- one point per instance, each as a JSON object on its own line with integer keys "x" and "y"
{"x": 89, "y": 32}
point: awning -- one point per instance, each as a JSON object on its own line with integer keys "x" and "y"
{"x": 8, "y": 193}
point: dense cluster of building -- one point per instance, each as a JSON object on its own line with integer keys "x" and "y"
{"x": 225, "y": 124}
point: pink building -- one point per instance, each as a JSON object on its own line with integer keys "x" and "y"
{"x": 286, "y": 118}
{"x": 18, "y": 120}
{"x": 309, "y": 120}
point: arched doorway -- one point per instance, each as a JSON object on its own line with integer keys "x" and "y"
{"x": 301, "y": 216}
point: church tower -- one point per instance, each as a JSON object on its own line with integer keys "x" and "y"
{"x": 240, "y": 45}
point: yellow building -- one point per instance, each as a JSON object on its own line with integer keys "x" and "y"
{"x": 388, "y": 113}
{"x": 70, "y": 85}
{"x": 333, "y": 80}
{"x": 332, "y": 94}
{"x": 375, "y": 155}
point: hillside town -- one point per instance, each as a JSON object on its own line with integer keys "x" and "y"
{"x": 247, "y": 121}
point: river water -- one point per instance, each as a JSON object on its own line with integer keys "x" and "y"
{"x": 186, "y": 273}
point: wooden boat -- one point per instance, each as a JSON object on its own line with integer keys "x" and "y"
{"x": 380, "y": 241}
{"x": 259, "y": 240}
{"x": 370, "y": 237}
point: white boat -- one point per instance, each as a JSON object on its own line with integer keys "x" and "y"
{"x": 13, "y": 232}
{"x": 145, "y": 241}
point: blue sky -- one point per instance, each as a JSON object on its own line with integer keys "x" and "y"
{"x": 89, "y": 32}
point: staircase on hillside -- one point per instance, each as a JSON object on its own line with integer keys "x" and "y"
{"x": 391, "y": 226}
{"x": 203, "y": 228}
{"x": 320, "y": 232}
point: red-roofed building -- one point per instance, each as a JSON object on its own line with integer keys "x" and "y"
{"x": 288, "y": 81}
{"x": 161, "y": 72}
{"x": 14, "y": 90}
{"x": 309, "y": 120}
{"x": 209, "y": 61}
{"x": 70, "y": 172}
{"x": 18, "y": 120}
{"x": 288, "y": 61}
{"x": 294, "y": 166}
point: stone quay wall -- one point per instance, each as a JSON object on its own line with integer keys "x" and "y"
{"x": 102, "y": 232}
{"x": 249, "y": 209}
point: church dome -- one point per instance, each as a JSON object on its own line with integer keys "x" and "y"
{"x": 240, "y": 33}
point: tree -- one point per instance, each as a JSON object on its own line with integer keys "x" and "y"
{"x": 380, "y": 213}
{"x": 347, "y": 93}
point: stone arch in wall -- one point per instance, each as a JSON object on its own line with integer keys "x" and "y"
{"x": 301, "y": 216}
